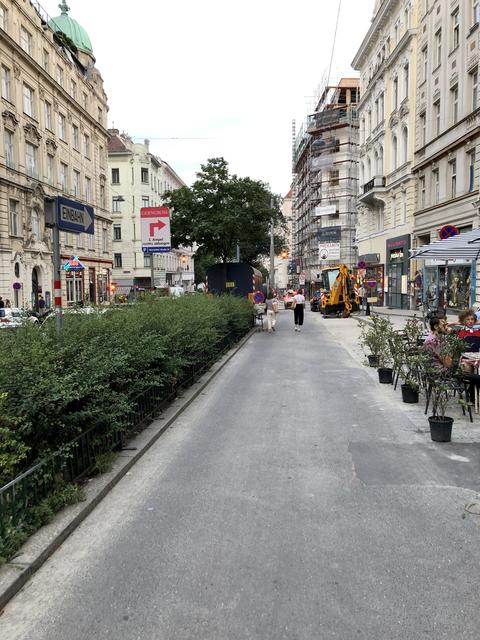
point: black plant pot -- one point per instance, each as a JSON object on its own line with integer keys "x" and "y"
{"x": 385, "y": 376}
{"x": 409, "y": 395}
{"x": 373, "y": 361}
{"x": 440, "y": 429}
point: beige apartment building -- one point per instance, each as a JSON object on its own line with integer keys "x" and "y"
{"x": 447, "y": 141}
{"x": 54, "y": 142}
{"x": 387, "y": 62}
{"x": 139, "y": 179}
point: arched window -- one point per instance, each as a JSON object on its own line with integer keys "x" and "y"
{"x": 404, "y": 144}
{"x": 368, "y": 175}
{"x": 35, "y": 223}
{"x": 380, "y": 162}
{"x": 394, "y": 153}
{"x": 362, "y": 174}
{"x": 375, "y": 162}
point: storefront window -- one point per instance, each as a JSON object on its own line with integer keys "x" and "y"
{"x": 448, "y": 286}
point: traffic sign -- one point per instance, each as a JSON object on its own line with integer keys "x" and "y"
{"x": 448, "y": 231}
{"x": 74, "y": 216}
{"x": 155, "y": 229}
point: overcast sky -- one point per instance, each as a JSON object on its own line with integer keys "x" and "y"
{"x": 233, "y": 73}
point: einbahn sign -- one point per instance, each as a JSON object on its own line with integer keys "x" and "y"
{"x": 74, "y": 216}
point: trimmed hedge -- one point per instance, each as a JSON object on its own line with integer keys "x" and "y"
{"x": 51, "y": 390}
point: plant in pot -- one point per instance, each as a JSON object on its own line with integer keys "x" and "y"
{"x": 414, "y": 362}
{"x": 374, "y": 339}
{"x": 444, "y": 385}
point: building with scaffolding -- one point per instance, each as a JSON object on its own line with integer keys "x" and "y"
{"x": 325, "y": 167}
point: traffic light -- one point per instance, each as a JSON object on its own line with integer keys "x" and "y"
{"x": 284, "y": 254}
{"x": 184, "y": 259}
{"x": 113, "y": 287}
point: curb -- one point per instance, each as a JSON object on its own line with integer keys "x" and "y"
{"x": 15, "y": 574}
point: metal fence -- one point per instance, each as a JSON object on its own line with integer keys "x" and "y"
{"x": 78, "y": 458}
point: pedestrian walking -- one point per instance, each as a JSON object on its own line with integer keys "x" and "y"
{"x": 2, "y": 303}
{"x": 272, "y": 308}
{"x": 8, "y": 304}
{"x": 298, "y": 309}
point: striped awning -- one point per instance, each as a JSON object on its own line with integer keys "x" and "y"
{"x": 465, "y": 246}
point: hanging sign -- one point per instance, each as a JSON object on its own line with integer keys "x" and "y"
{"x": 329, "y": 251}
{"x": 73, "y": 264}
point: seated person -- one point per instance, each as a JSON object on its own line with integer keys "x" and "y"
{"x": 468, "y": 331}
{"x": 438, "y": 327}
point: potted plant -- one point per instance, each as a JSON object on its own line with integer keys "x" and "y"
{"x": 413, "y": 360}
{"x": 374, "y": 339}
{"x": 443, "y": 386}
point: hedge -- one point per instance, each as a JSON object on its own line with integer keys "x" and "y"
{"x": 52, "y": 389}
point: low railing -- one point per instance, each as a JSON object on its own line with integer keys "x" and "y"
{"x": 78, "y": 458}
{"x": 375, "y": 182}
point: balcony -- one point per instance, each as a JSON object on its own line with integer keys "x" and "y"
{"x": 331, "y": 118}
{"x": 372, "y": 189}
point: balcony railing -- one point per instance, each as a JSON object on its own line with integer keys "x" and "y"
{"x": 331, "y": 118}
{"x": 375, "y": 182}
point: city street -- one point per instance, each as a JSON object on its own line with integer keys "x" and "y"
{"x": 295, "y": 499}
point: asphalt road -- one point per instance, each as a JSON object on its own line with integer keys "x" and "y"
{"x": 292, "y": 500}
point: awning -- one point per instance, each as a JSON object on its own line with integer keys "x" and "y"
{"x": 465, "y": 246}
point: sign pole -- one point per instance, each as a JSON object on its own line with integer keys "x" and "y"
{"x": 57, "y": 279}
{"x": 152, "y": 272}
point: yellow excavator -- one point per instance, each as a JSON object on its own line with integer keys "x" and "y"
{"x": 339, "y": 296}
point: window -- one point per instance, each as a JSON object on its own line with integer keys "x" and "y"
{"x": 117, "y": 260}
{"x": 145, "y": 201}
{"x": 438, "y": 48}
{"x": 455, "y": 29}
{"x": 9, "y": 153}
{"x": 422, "y": 192}
{"x": 471, "y": 171}
{"x": 47, "y": 110}
{"x": 46, "y": 60}
{"x": 116, "y": 204}
{"x": 26, "y": 40}
{"x": 396, "y": 31}
{"x": 117, "y": 232}
{"x": 435, "y": 186}
{"x": 104, "y": 240}
{"x": 436, "y": 117}
{"x": 3, "y": 17}
{"x": 395, "y": 93}
{"x": 62, "y": 129}
{"x": 102, "y": 196}
{"x": 63, "y": 177}
{"x": 73, "y": 89}
{"x": 100, "y": 115}
{"x": 80, "y": 243}
{"x": 59, "y": 75}
{"x": 425, "y": 62}
{"x": 14, "y": 218}
{"x": 476, "y": 11}
{"x": 147, "y": 259}
{"x": 88, "y": 189}
{"x": 405, "y": 81}
{"x": 28, "y": 101}
{"x": 144, "y": 173}
{"x": 474, "y": 82}
{"x": 75, "y": 137}
{"x": 50, "y": 169}
{"x": 6, "y": 87}
{"x": 423, "y": 129}
{"x": 115, "y": 176}
{"x": 334, "y": 177}
{"x": 454, "y": 103}
{"x": 31, "y": 160}
{"x": 91, "y": 241}
{"x": 404, "y": 145}
{"x": 84, "y": 100}
{"x": 76, "y": 183}
{"x": 394, "y": 152}
{"x": 453, "y": 178}
{"x": 86, "y": 145}
{"x": 101, "y": 155}
{"x": 35, "y": 220}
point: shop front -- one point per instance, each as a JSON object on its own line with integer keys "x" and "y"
{"x": 398, "y": 271}
{"x": 371, "y": 277}
{"x": 450, "y": 285}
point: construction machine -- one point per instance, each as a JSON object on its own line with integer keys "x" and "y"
{"x": 339, "y": 295}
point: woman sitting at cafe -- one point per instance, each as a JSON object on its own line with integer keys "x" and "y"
{"x": 468, "y": 331}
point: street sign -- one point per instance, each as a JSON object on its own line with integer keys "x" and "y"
{"x": 74, "y": 216}
{"x": 155, "y": 229}
{"x": 448, "y": 231}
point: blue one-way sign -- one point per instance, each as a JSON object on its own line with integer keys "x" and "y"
{"x": 74, "y": 216}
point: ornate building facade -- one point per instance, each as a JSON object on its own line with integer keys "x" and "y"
{"x": 387, "y": 62}
{"x": 54, "y": 142}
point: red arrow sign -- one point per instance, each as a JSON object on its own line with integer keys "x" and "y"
{"x": 156, "y": 225}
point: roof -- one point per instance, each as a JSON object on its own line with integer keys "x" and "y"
{"x": 72, "y": 29}
{"x": 116, "y": 144}
{"x": 465, "y": 246}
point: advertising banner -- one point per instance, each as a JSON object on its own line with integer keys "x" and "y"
{"x": 328, "y": 251}
{"x": 155, "y": 229}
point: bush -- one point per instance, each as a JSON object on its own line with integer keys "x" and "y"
{"x": 53, "y": 388}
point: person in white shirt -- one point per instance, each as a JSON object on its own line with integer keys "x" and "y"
{"x": 272, "y": 308}
{"x": 298, "y": 309}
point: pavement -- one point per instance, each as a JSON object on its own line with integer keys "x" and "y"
{"x": 295, "y": 498}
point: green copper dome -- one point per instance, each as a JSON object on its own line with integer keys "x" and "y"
{"x": 71, "y": 29}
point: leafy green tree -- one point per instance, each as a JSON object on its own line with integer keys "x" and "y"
{"x": 221, "y": 211}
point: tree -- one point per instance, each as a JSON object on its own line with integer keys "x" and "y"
{"x": 221, "y": 211}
